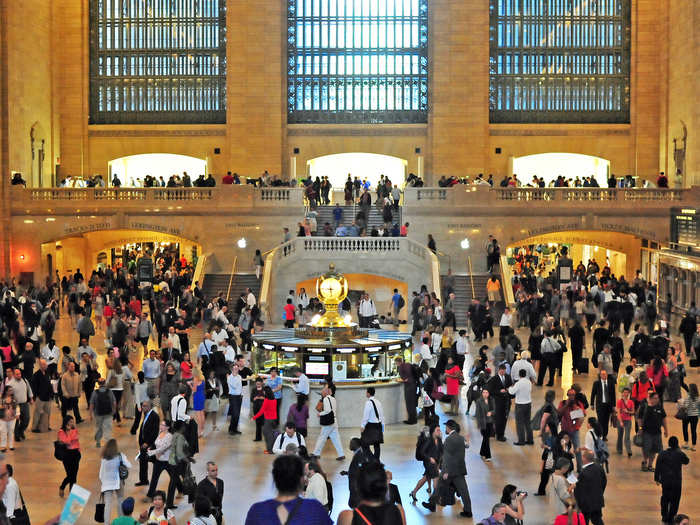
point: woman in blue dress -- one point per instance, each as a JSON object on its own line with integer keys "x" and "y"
{"x": 198, "y": 398}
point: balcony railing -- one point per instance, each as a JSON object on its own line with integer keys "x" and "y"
{"x": 67, "y": 200}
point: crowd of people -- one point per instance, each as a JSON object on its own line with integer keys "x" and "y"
{"x": 158, "y": 371}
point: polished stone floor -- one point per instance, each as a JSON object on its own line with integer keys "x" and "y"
{"x": 631, "y": 496}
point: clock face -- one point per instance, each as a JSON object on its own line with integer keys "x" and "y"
{"x": 331, "y": 288}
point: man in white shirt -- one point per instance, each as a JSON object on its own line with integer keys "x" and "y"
{"x": 219, "y": 335}
{"x": 173, "y": 338}
{"x": 506, "y": 323}
{"x": 302, "y": 382}
{"x": 366, "y": 311}
{"x": 229, "y": 352}
{"x": 522, "y": 389}
{"x": 435, "y": 341}
{"x": 85, "y": 348}
{"x": 462, "y": 346}
{"x": 178, "y": 406}
{"x": 523, "y": 364}
{"x": 220, "y": 317}
{"x": 290, "y": 436}
{"x": 372, "y": 425}
{"x": 10, "y": 497}
{"x": 235, "y": 398}
{"x": 51, "y": 353}
{"x": 424, "y": 351}
{"x": 250, "y": 298}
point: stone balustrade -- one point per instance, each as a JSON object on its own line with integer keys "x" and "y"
{"x": 67, "y": 200}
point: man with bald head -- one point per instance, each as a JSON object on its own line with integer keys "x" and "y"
{"x": 43, "y": 392}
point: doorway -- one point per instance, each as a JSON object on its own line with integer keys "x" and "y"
{"x": 370, "y": 166}
{"x": 132, "y": 169}
{"x": 570, "y": 165}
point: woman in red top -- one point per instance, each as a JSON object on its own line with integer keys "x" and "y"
{"x": 658, "y": 373}
{"x": 108, "y": 313}
{"x": 68, "y": 434}
{"x": 7, "y": 354}
{"x": 625, "y": 411}
{"x": 289, "y": 310}
{"x": 452, "y": 377}
{"x": 269, "y": 411}
{"x": 186, "y": 367}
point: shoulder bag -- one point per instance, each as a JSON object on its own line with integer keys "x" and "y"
{"x": 327, "y": 419}
{"x": 21, "y": 516}
{"x": 100, "y": 509}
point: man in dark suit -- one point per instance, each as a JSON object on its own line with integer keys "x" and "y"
{"x": 603, "y": 400}
{"x": 453, "y": 469}
{"x": 361, "y": 456}
{"x": 590, "y": 489}
{"x": 147, "y": 439}
{"x": 498, "y": 388}
{"x": 669, "y": 474}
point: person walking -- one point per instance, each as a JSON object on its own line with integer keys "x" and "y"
{"x": 23, "y": 396}
{"x": 453, "y": 469}
{"x": 112, "y": 485}
{"x": 115, "y": 383}
{"x": 102, "y": 408}
{"x": 498, "y": 387}
{"x": 148, "y": 433}
{"x": 590, "y": 488}
{"x": 268, "y": 410}
{"x": 691, "y": 404}
{"x": 70, "y": 392}
{"x": 669, "y": 475}
{"x": 8, "y": 421}
{"x": 178, "y": 462}
{"x": 485, "y": 410}
{"x": 298, "y": 413}
{"x": 68, "y": 435}
{"x": 603, "y": 399}
{"x": 430, "y": 451}
{"x": 548, "y": 349}
{"x": 328, "y": 419}
{"x": 653, "y": 419}
{"x": 625, "y": 413}
{"x": 160, "y": 454}
{"x": 43, "y": 392}
{"x": 522, "y": 390}
{"x": 372, "y": 426}
{"x": 212, "y": 393}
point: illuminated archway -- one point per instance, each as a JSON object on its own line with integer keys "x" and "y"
{"x": 571, "y": 165}
{"x": 133, "y": 168}
{"x": 368, "y": 166}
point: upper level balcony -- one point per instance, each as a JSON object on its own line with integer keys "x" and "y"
{"x": 281, "y": 200}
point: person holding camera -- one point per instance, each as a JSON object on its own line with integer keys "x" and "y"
{"x": 514, "y": 509}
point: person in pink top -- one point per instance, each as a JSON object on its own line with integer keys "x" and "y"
{"x": 658, "y": 373}
{"x": 625, "y": 412}
{"x": 452, "y": 377}
{"x": 68, "y": 435}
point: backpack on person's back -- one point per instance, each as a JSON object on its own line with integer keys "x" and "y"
{"x": 103, "y": 403}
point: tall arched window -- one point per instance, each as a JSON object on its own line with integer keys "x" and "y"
{"x": 560, "y": 61}
{"x": 157, "y": 61}
{"x": 357, "y": 61}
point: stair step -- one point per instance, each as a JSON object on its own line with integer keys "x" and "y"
{"x": 215, "y": 283}
{"x": 376, "y": 219}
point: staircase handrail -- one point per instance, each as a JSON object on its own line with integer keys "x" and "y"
{"x": 507, "y": 281}
{"x": 471, "y": 274}
{"x": 230, "y": 279}
{"x": 199, "y": 274}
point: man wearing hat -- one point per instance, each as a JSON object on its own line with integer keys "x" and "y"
{"x": 127, "y": 511}
{"x": 453, "y": 469}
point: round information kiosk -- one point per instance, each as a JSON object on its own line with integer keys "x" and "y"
{"x": 331, "y": 345}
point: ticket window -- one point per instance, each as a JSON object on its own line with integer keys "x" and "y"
{"x": 348, "y": 365}
{"x": 317, "y": 366}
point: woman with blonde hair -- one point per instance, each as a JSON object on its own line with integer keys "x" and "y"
{"x": 198, "y": 386}
{"x": 111, "y": 467}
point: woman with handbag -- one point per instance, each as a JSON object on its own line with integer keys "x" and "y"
{"x": 431, "y": 453}
{"x": 113, "y": 471}
{"x": 70, "y": 454}
{"x": 691, "y": 406}
{"x": 485, "y": 410}
{"x": 179, "y": 461}
{"x": 212, "y": 391}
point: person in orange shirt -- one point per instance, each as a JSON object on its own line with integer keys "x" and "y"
{"x": 68, "y": 435}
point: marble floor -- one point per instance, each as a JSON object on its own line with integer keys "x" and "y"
{"x": 631, "y": 496}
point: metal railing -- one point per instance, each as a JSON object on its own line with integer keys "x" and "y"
{"x": 589, "y": 194}
{"x": 471, "y": 274}
{"x": 199, "y": 273}
{"x": 506, "y": 281}
{"x": 230, "y": 279}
